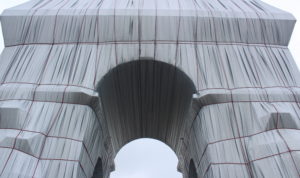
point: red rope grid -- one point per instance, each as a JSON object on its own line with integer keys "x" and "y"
{"x": 242, "y": 137}
{"x": 20, "y": 131}
{"x": 62, "y": 101}
{"x": 177, "y": 42}
{"x": 248, "y": 161}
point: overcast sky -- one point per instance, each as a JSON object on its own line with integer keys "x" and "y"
{"x": 148, "y": 158}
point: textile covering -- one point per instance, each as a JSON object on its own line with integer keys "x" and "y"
{"x": 213, "y": 79}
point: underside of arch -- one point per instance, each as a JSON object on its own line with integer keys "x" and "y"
{"x": 146, "y": 99}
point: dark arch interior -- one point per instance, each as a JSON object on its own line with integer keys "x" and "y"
{"x": 98, "y": 171}
{"x": 145, "y": 99}
{"x": 192, "y": 170}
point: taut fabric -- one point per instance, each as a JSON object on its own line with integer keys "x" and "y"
{"x": 213, "y": 79}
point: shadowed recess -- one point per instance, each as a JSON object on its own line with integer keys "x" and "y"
{"x": 192, "y": 170}
{"x": 98, "y": 171}
{"x": 146, "y": 99}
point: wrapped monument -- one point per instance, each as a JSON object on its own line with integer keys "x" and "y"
{"x": 213, "y": 79}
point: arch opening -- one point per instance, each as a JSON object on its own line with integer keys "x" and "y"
{"x": 192, "y": 170}
{"x": 145, "y": 158}
{"x": 98, "y": 171}
{"x": 145, "y": 99}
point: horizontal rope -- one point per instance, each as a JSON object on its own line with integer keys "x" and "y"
{"x": 156, "y": 42}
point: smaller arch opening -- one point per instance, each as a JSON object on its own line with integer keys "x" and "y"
{"x": 98, "y": 171}
{"x": 192, "y": 170}
{"x": 146, "y": 158}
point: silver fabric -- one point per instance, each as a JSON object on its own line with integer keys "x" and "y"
{"x": 213, "y": 79}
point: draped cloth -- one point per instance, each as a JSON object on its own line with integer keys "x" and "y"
{"x": 221, "y": 88}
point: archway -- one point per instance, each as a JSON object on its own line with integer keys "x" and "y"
{"x": 145, "y": 158}
{"x": 146, "y": 99}
{"x": 98, "y": 171}
{"x": 192, "y": 170}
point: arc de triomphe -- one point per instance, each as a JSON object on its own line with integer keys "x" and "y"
{"x": 213, "y": 79}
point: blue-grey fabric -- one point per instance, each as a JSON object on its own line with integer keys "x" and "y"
{"x": 219, "y": 86}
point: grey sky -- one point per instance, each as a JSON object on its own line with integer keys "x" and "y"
{"x": 148, "y": 158}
